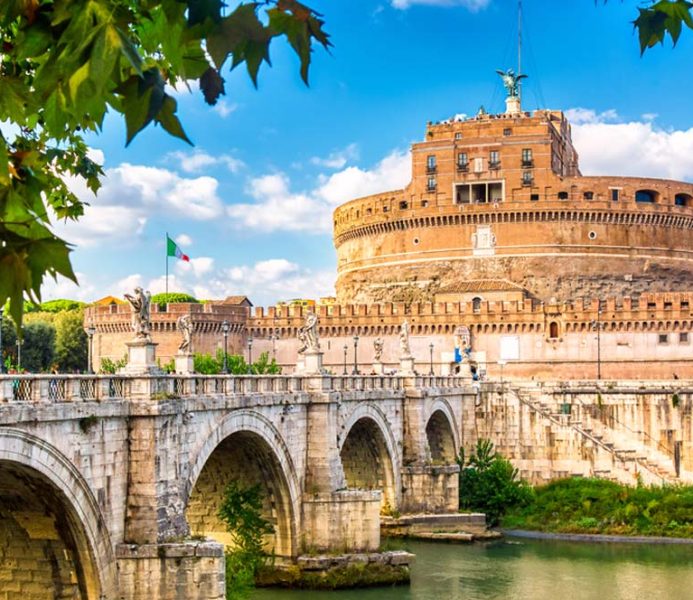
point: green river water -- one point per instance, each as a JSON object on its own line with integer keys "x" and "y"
{"x": 531, "y": 570}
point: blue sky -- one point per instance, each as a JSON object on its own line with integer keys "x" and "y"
{"x": 251, "y": 202}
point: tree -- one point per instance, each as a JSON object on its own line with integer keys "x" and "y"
{"x": 70, "y": 341}
{"x": 38, "y": 348}
{"x": 65, "y": 63}
{"x": 662, "y": 18}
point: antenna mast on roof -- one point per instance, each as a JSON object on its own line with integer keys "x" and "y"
{"x": 519, "y": 47}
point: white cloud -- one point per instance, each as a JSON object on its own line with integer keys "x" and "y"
{"x": 278, "y": 208}
{"x": 264, "y": 282}
{"x": 130, "y": 194}
{"x": 199, "y": 160}
{"x": 183, "y": 240}
{"x": 224, "y": 109}
{"x": 53, "y": 289}
{"x": 581, "y": 116}
{"x": 472, "y": 5}
{"x": 635, "y": 148}
{"x": 337, "y": 159}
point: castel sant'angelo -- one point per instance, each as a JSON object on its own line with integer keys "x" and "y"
{"x": 554, "y": 274}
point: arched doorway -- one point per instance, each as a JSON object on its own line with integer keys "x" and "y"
{"x": 247, "y": 458}
{"x": 367, "y": 460}
{"x": 441, "y": 440}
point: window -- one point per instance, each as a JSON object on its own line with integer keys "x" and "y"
{"x": 682, "y": 200}
{"x": 534, "y": 197}
{"x": 588, "y": 195}
{"x": 476, "y": 304}
{"x": 493, "y": 159}
{"x": 385, "y": 209}
{"x": 647, "y": 196}
{"x": 683, "y": 337}
{"x": 663, "y": 338}
{"x": 592, "y": 235}
{"x": 431, "y": 183}
{"x": 685, "y": 305}
{"x": 424, "y": 203}
{"x": 668, "y": 306}
{"x": 527, "y": 178}
{"x": 615, "y": 194}
{"x": 403, "y": 205}
{"x": 431, "y": 163}
{"x": 478, "y": 165}
{"x": 651, "y": 305}
{"x": 369, "y": 211}
{"x": 507, "y": 131}
{"x": 458, "y": 136}
{"x": 527, "y": 160}
{"x": 562, "y": 195}
{"x": 553, "y": 330}
{"x": 462, "y": 161}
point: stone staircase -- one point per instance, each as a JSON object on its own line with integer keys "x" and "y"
{"x": 614, "y": 453}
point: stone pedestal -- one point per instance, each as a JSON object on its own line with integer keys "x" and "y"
{"x": 406, "y": 365}
{"x": 378, "y": 368}
{"x": 141, "y": 358}
{"x": 512, "y": 105}
{"x": 312, "y": 363}
{"x": 184, "y": 364}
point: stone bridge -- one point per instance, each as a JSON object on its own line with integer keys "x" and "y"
{"x": 110, "y": 485}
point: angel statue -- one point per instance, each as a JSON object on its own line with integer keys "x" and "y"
{"x": 141, "y": 323}
{"x": 511, "y": 82}
{"x": 405, "y": 350}
{"x": 308, "y": 335}
{"x": 185, "y": 326}
{"x": 378, "y": 348}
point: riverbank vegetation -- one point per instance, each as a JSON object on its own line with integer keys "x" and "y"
{"x": 598, "y": 506}
{"x": 490, "y": 484}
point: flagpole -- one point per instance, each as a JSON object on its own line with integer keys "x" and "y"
{"x": 167, "y": 264}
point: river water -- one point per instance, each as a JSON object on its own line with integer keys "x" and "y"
{"x": 531, "y": 570}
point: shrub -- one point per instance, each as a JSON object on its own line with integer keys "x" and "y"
{"x": 241, "y": 512}
{"x": 112, "y": 367}
{"x": 489, "y": 483}
{"x": 172, "y": 298}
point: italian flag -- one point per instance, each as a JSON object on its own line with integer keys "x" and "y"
{"x": 172, "y": 249}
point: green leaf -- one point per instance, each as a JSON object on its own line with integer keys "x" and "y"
{"x": 242, "y": 35}
{"x": 169, "y": 121}
{"x": 201, "y": 10}
{"x": 129, "y": 51}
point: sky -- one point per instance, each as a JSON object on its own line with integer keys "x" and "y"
{"x": 251, "y": 202}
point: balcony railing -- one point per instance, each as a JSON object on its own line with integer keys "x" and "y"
{"x": 494, "y": 166}
{"x": 431, "y": 169}
{"x": 463, "y": 167}
{"x": 431, "y": 188}
{"x": 527, "y": 182}
{"x": 527, "y": 164}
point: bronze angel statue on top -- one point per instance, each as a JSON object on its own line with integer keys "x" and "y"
{"x": 511, "y": 82}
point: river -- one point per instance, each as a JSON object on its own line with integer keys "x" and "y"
{"x": 531, "y": 570}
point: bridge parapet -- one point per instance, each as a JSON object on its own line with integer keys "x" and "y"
{"x": 78, "y": 388}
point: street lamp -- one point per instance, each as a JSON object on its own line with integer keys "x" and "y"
{"x": 501, "y": 364}
{"x": 19, "y": 353}
{"x": 598, "y": 326}
{"x": 356, "y": 348}
{"x": 90, "y": 331}
{"x": 346, "y": 349}
{"x": 273, "y": 339}
{"x": 225, "y": 330}
{"x": 431, "y": 349}
{"x": 250, "y": 355}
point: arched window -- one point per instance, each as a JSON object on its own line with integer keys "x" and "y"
{"x": 683, "y": 200}
{"x": 476, "y": 304}
{"x": 553, "y": 330}
{"x": 648, "y": 196}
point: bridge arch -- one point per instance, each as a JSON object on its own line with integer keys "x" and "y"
{"x": 49, "y": 516}
{"x": 369, "y": 454}
{"x": 248, "y": 448}
{"x": 442, "y": 432}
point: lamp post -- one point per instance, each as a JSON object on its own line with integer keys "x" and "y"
{"x": 19, "y": 353}
{"x": 273, "y": 339}
{"x": 250, "y": 356}
{"x": 90, "y": 331}
{"x": 346, "y": 349}
{"x": 501, "y": 364}
{"x": 2, "y": 362}
{"x": 225, "y": 330}
{"x": 430, "y": 372}
{"x": 356, "y": 349}
{"x": 598, "y": 326}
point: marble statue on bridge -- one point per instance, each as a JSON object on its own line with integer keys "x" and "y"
{"x": 185, "y": 326}
{"x": 140, "y": 303}
{"x": 405, "y": 349}
{"x": 308, "y": 335}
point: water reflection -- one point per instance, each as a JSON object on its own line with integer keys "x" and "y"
{"x": 536, "y": 570}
